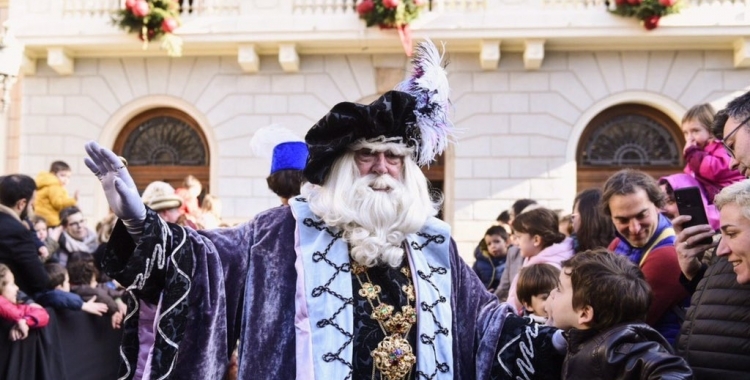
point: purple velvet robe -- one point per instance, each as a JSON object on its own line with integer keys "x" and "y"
{"x": 242, "y": 286}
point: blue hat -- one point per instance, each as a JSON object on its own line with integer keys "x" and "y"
{"x": 289, "y": 156}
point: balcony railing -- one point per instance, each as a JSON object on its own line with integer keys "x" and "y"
{"x": 332, "y": 25}
{"x": 92, "y": 9}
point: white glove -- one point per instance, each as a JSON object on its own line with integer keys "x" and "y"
{"x": 118, "y": 185}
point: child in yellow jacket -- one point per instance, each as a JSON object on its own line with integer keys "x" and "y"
{"x": 51, "y": 196}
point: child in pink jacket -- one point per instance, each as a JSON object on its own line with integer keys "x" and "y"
{"x": 540, "y": 242}
{"x": 24, "y": 316}
{"x": 705, "y": 156}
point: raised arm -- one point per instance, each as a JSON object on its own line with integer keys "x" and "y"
{"x": 122, "y": 194}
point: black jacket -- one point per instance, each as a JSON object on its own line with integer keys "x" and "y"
{"x": 19, "y": 252}
{"x": 624, "y": 352}
{"x": 715, "y": 337}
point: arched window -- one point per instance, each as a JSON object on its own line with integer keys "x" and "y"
{"x": 628, "y": 136}
{"x": 164, "y": 144}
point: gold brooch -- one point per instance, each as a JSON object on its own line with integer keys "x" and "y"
{"x": 393, "y": 357}
{"x": 369, "y": 291}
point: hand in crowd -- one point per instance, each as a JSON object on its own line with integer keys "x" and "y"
{"x": 20, "y": 331}
{"x": 689, "y": 255}
{"x": 121, "y": 307}
{"x": 93, "y": 307}
{"x": 688, "y": 145}
{"x": 117, "y": 318}
{"x": 43, "y": 253}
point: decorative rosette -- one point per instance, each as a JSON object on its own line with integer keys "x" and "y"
{"x": 392, "y": 14}
{"x": 648, "y": 11}
{"x": 152, "y": 20}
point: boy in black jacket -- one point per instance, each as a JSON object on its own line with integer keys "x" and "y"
{"x": 601, "y": 300}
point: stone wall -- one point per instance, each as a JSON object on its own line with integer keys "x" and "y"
{"x": 519, "y": 128}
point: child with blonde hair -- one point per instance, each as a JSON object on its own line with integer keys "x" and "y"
{"x": 24, "y": 316}
{"x": 705, "y": 156}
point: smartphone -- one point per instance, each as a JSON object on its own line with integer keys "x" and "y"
{"x": 690, "y": 202}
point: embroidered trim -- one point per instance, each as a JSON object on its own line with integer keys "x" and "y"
{"x": 177, "y": 302}
{"x": 441, "y": 330}
{"x": 524, "y": 363}
{"x": 176, "y": 271}
{"x": 317, "y": 257}
{"x": 439, "y": 239}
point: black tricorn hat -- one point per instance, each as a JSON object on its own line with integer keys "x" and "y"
{"x": 416, "y": 113}
{"x": 391, "y": 115}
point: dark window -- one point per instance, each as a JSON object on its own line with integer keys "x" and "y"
{"x": 628, "y": 136}
{"x": 165, "y": 140}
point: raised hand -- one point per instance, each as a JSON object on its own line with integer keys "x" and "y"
{"x": 118, "y": 185}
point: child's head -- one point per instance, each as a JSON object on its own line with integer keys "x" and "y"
{"x": 496, "y": 239}
{"x": 211, "y": 204}
{"x": 535, "y": 282}
{"x": 62, "y": 171}
{"x": 40, "y": 227}
{"x": 58, "y": 277}
{"x": 8, "y": 287}
{"x": 697, "y": 123}
{"x": 193, "y": 185}
{"x": 597, "y": 290}
{"x": 536, "y": 229}
{"x": 82, "y": 272}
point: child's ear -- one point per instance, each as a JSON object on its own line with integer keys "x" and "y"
{"x": 537, "y": 240}
{"x": 585, "y": 315}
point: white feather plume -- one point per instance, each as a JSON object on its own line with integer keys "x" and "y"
{"x": 429, "y": 85}
{"x": 266, "y": 138}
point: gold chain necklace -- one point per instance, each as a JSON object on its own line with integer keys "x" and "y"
{"x": 393, "y": 357}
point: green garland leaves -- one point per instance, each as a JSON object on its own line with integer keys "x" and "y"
{"x": 648, "y": 11}
{"x": 389, "y": 13}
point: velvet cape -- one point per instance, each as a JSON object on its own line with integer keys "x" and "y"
{"x": 241, "y": 285}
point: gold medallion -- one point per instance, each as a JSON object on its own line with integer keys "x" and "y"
{"x": 393, "y": 357}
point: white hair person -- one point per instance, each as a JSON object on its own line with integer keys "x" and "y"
{"x": 374, "y": 223}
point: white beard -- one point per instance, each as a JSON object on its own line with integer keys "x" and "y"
{"x": 375, "y": 223}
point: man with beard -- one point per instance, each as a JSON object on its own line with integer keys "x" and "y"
{"x": 17, "y": 247}
{"x": 356, "y": 279}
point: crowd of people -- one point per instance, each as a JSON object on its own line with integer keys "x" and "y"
{"x": 354, "y": 277}
{"x": 49, "y": 256}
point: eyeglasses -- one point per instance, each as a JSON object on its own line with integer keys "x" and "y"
{"x": 724, "y": 140}
{"x": 80, "y": 223}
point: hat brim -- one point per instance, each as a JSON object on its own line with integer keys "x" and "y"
{"x": 165, "y": 203}
{"x": 391, "y": 115}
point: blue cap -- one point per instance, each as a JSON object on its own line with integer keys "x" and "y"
{"x": 289, "y": 156}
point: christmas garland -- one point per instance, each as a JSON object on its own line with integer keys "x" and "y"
{"x": 648, "y": 11}
{"x": 392, "y": 14}
{"x": 152, "y": 20}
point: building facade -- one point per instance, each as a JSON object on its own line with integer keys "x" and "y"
{"x": 549, "y": 96}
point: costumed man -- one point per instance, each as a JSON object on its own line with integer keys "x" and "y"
{"x": 356, "y": 279}
{"x": 288, "y": 154}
